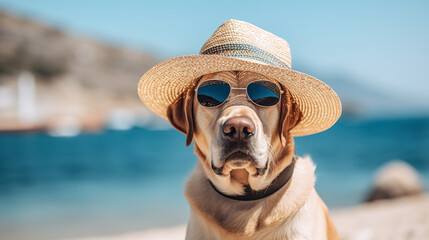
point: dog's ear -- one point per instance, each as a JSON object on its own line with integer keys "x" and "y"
{"x": 290, "y": 115}
{"x": 180, "y": 114}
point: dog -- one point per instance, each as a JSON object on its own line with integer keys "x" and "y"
{"x": 241, "y": 103}
{"x": 248, "y": 182}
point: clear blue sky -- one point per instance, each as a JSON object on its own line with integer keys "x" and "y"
{"x": 383, "y": 44}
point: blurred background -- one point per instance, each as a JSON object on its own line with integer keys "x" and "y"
{"x": 80, "y": 155}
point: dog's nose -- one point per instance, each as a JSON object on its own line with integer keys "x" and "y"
{"x": 239, "y": 128}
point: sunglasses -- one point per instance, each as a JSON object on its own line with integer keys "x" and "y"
{"x": 213, "y": 93}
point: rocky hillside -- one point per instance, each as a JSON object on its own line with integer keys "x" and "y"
{"x": 75, "y": 79}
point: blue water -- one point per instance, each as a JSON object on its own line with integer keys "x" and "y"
{"x": 117, "y": 181}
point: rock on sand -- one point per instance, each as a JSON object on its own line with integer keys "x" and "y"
{"x": 395, "y": 179}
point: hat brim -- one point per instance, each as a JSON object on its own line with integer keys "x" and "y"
{"x": 162, "y": 84}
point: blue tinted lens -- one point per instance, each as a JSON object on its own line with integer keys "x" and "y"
{"x": 264, "y": 93}
{"x": 213, "y": 94}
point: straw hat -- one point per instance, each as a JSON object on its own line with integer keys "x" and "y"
{"x": 241, "y": 46}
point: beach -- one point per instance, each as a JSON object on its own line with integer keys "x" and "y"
{"x": 404, "y": 218}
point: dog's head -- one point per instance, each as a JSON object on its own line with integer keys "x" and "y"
{"x": 238, "y": 142}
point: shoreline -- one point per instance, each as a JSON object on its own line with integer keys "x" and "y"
{"x": 405, "y": 218}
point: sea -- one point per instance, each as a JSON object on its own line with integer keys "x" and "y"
{"x": 112, "y": 182}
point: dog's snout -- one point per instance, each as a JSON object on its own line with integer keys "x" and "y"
{"x": 238, "y": 128}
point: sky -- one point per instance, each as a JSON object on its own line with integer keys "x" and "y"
{"x": 381, "y": 44}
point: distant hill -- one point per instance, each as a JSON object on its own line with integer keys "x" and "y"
{"x": 361, "y": 100}
{"x": 50, "y": 54}
{"x": 74, "y": 78}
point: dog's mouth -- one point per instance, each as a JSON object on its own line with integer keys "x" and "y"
{"x": 239, "y": 159}
{"x": 238, "y": 155}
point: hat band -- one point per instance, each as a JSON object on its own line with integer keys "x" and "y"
{"x": 246, "y": 51}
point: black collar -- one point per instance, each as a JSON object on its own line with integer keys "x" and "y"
{"x": 276, "y": 184}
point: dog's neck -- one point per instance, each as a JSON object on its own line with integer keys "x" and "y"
{"x": 227, "y": 217}
{"x": 249, "y": 194}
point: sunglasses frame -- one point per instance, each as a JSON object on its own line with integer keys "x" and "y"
{"x": 247, "y": 94}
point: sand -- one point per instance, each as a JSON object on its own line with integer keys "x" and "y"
{"x": 399, "y": 219}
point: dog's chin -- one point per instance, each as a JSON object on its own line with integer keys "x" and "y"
{"x": 239, "y": 161}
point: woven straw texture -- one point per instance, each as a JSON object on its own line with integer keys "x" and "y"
{"x": 241, "y": 46}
